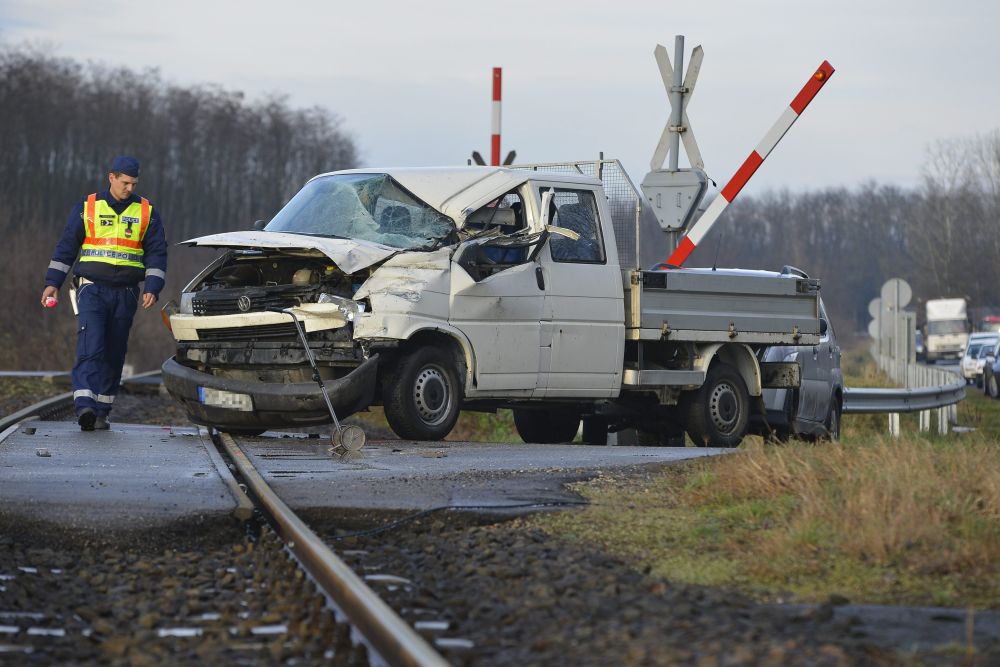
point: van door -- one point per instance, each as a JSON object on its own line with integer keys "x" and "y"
{"x": 583, "y": 318}
{"x": 498, "y": 306}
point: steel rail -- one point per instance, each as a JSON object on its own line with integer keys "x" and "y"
{"x": 388, "y": 634}
{"x": 877, "y": 400}
{"x": 43, "y": 408}
{"x": 54, "y": 405}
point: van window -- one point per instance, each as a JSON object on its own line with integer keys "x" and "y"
{"x": 576, "y": 210}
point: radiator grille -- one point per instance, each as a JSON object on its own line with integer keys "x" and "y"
{"x": 248, "y": 333}
{"x": 248, "y": 300}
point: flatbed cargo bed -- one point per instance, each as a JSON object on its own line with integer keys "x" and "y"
{"x": 724, "y": 305}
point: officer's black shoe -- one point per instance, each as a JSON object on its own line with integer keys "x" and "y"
{"x": 102, "y": 423}
{"x": 86, "y": 419}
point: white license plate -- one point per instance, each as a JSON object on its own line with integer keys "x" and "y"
{"x": 225, "y": 399}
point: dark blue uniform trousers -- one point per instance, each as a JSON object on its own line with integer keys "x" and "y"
{"x": 101, "y": 341}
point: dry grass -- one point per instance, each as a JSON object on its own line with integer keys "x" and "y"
{"x": 914, "y": 520}
{"x": 911, "y": 503}
{"x": 910, "y": 521}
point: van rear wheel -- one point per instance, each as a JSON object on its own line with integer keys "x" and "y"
{"x": 718, "y": 412}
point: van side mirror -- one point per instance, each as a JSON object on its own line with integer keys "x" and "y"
{"x": 823, "y": 327}
{"x": 259, "y": 225}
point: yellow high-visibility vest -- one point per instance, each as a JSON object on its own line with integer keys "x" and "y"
{"x": 112, "y": 238}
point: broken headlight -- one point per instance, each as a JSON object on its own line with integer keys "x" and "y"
{"x": 348, "y": 307}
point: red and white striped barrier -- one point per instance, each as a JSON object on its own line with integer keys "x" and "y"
{"x": 750, "y": 165}
{"x": 495, "y": 139}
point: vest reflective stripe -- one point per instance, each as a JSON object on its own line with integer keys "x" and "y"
{"x": 112, "y": 254}
{"x": 107, "y": 233}
{"x": 143, "y": 216}
{"x": 89, "y": 214}
{"x": 124, "y": 243}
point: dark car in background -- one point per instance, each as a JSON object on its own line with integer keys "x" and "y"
{"x": 813, "y": 410}
{"x": 991, "y": 371}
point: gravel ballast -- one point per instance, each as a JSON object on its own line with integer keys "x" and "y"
{"x": 240, "y": 601}
{"x": 522, "y": 598}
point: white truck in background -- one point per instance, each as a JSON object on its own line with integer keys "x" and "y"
{"x": 947, "y": 329}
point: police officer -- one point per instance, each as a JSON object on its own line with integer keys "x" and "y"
{"x": 120, "y": 242}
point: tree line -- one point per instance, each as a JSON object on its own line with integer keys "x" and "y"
{"x": 212, "y": 161}
{"x": 215, "y": 161}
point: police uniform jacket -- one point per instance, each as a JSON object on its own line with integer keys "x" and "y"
{"x": 154, "y": 246}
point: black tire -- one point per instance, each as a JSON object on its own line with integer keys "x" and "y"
{"x": 832, "y": 423}
{"x": 994, "y": 389}
{"x": 422, "y": 395}
{"x": 246, "y": 432}
{"x": 718, "y": 412}
{"x": 546, "y": 426}
{"x": 595, "y": 431}
{"x": 662, "y": 438}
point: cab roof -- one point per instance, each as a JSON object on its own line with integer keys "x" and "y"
{"x": 457, "y": 191}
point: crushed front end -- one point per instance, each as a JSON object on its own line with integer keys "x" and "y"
{"x": 241, "y": 366}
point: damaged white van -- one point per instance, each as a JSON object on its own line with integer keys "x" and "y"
{"x": 430, "y": 290}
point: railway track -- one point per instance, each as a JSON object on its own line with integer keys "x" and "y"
{"x": 383, "y": 630}
{"x": 359, "y": 628}
{"x": 477, "y": 590}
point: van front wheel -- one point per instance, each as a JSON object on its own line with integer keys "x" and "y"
{"x": 422, "y": 396}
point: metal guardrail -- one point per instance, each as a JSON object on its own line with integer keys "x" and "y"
{"x": 925, "y": 389}
{"x": 42, "y": 410}
{"x": 61, "y": 403}
{"x": 869, "y": 401}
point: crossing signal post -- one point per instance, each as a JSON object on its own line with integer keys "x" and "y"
{"x": 675, "y": 192}
{"x": 495, "y": 127}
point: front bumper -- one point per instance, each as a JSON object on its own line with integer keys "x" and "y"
{"x": 275, "y": 405}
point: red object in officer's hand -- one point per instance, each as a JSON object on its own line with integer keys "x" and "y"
{"x": 51, "y": 301}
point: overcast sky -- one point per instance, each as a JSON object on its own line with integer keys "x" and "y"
{"x": 411, "y": 80}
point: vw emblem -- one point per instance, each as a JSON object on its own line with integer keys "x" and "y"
{"x": 243, "y": 303}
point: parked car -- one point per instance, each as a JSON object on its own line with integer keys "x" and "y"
{"x": 985, "y": 352}
{"x": 991, "y": 371}
{"x": 971, "y": 368}
{"x": 813, "y": 410}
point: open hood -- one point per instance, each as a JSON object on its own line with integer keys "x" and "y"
{"x": 347, "y": 254}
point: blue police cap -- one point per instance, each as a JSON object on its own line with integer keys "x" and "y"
{"x": 126, "y": 165}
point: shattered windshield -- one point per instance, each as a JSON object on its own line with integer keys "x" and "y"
{"x": 368, "y": 207}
